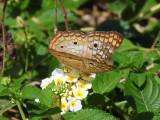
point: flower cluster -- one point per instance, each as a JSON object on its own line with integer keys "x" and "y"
{"x": 71, "y": 85}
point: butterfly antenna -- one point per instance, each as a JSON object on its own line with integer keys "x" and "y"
{"x": 65, "y": 15}
{"x": 55, "y": 24}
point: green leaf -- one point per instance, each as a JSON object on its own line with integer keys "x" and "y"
{"x": 5, "y": 81}
{"x": 4, "y": 118}
{"x": 155, "y": 69}
{"x": 38, "y": 109}
{"x": 138, "y": 78}
{"x": 92, "y": 114}
{"x": 4, "y": 90}
{"x": 95, "y": 99}
{"x": 123, "y": 59}
{"x": 137, "y": 59}
{"x": 49, "y": 4}
{"x": 48, "y": 21}
{"x": 5, "y": 105}
{"x": 106, "y": 82}
{"x": 145, "y": 98}
{"x": 147, "y": 116}
{"x": 158, "y": 37}
{"x": 117, "y": 5}
{"x": 31, "y": 92}
{"x": 126, "y": 45}
{"x": 68, "y": 116}
{"x": 47, "y": 97}
{"x": 153, "y": 55}
{"x": 17, "y": 83}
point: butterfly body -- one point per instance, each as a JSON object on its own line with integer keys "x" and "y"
{"x": 85, "y": 52}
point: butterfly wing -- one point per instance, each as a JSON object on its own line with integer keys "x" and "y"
{"x": 80, "y": 63}
{"x": 103, "y": 44}
{"x": 72, "y": 42}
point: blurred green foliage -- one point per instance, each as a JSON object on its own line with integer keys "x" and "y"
{"x": 138, "y": 97}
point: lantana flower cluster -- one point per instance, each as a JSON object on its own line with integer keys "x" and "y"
{"x": 71, "y": 85}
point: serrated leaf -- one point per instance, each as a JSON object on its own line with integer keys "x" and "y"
{"x": 145, "y": 98}
{"x": 92, "y": 114}
{"x": 38, "y": 109}
{"x": 138, "y": 78}
{"x": 106, "y": 82}
{"x": 122, "y": 59}
{"x": 155, "y": 69}
{"x": 137, "y": 59}
{"x": 31, "y": 92}
{"x": 153, "y": 54}
{"x": 47, "y": 97}
{"x": 158, "y": 37}
{"x": 4, "y": 90}
{"x": 17, "y": 83}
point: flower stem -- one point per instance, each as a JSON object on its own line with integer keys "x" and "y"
{"x": 27, "y": 54}
{"x": 20, "y": 110}
{"x": 60, "y": 107}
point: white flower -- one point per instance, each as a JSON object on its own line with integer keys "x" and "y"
{"x": 72, "y": 76}
{"x": 45, "y": 83}
{"x": 57, "y": 71}
{"x": 59, "y": 78}
{"x": 83, "y": 84}
{"x": 79, "y": 93}
{"x": 64, "y": 106}
{"x": 89, "y": 77}
{"x": 75, "y": 105}
{"x": 37, "y": 100}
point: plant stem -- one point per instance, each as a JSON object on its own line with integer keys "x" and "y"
{"x": 60, "y": 107}
{"x": 20, "y": 110}
{"x": 3, "y": 35}
{"x": 120, "y": 103}
{"x": 27, "y": 54}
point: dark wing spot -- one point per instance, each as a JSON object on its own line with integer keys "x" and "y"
{"x": 91, "y": 63}
{"x": 61, "y": 46}
{"x": 75, "y": 43}
{"x": 95, "y": 45}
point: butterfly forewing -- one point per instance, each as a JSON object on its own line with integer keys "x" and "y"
{"x": 103, "y": 44}
{"x": 72, "y": 42}
{"x": 85, "y": 52}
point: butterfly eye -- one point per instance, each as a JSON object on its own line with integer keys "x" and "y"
{"x": 75, "y": 43}
{"x": 61, "y": 46}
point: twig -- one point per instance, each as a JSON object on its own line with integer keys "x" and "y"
{"x": 65, "y": 16}
{"x": 122, "y": 80}
{"x": 3, "y": 35}
{"x": 55, "y": 24}
{"x": 154, "y": 44}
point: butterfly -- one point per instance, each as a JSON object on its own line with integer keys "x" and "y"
{"x": 87, "y": 53}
